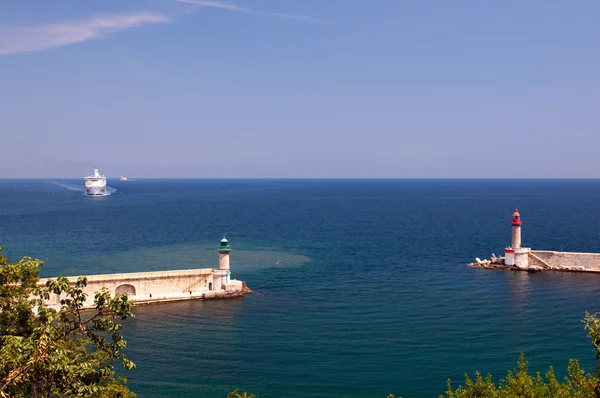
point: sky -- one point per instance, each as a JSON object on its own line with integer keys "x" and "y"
{"x": 300, "y": 88}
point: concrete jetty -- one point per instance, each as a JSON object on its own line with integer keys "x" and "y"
{"x": 159, "y": 286}
{"x": 518, "y": 258}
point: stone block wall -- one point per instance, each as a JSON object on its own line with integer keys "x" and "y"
{"x": 152, "y": 286}
{"x": 566, "y": 260}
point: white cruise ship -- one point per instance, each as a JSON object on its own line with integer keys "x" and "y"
{"x": 95, "y": 184}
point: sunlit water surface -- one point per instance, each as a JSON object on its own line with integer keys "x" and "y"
{"x": 360, "y": 286}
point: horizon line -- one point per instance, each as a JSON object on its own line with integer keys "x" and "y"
{"x": 308, "y": 178}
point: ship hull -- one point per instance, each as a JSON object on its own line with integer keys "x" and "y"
{"x": 95, "y": 191}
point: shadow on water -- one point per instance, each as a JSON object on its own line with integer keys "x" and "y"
{"x": 210, "y": 334}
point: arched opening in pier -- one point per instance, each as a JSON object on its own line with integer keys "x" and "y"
{"x": 127, "y": 289}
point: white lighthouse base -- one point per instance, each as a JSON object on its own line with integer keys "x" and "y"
{"x": 518, "y": 257}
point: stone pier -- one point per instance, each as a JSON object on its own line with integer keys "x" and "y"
{"x": 151, "y": 287}
{"x": 517, "y": 257}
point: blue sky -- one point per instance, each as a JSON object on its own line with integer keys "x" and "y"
{"x": 300, "y": 88}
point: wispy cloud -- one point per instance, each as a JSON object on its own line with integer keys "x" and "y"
{"x": 19, "y": 39}
{"x": 245, "y": 10}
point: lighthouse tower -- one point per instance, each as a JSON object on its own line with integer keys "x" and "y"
{"x": 516, "y": 230}
{"x": 224, "y": 251}
{"x": 515, "y": 254}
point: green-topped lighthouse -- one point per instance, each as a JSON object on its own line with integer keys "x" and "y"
{"x": 224, "y": 251}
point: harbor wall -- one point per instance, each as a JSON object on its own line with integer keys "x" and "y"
{"x": 149, "y": 287}
{"x": 565, "y": 260}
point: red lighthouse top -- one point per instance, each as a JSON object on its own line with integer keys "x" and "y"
{"x": 516, "y": 218}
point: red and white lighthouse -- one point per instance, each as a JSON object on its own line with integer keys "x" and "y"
{"x": 516, "y": 230}
{"x": 515, "y": 255}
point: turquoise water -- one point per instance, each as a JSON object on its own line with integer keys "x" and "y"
{"x": 360, "y": 286}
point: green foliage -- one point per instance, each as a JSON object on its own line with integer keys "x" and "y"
{"x": 236, "y": 394}
{"x": 45, "y": 352}
{"x": 592, "y": 325}
{"x": 519, "y": 383}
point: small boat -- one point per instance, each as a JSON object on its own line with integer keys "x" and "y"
{"x": 123, "y": 178}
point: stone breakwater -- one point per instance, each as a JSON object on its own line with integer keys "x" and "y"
{"x": 154, "y": 287}
{"x": 516, "y": 257}
{"x": 545, "y": 260}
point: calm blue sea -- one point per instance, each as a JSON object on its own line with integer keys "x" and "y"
{"x": 361, "y": 287}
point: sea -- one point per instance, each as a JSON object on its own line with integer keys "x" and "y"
{"x": 360, "y": 287}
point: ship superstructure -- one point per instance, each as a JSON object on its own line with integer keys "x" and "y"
{"x": 95, "y": 185}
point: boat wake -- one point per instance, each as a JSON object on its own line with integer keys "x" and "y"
{"x": 71, "y": 187}
{"x": 79, "y": 188}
